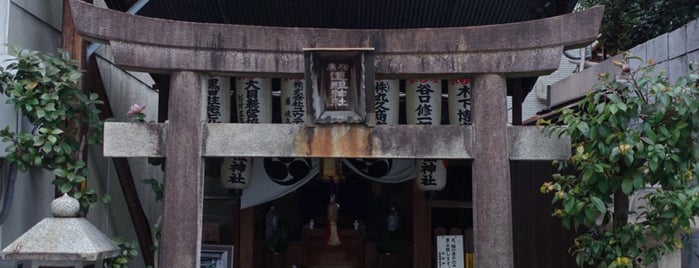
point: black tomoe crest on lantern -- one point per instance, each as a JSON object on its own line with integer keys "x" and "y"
{"x": 372, "y": 167}
{"x": 286, "y": 170}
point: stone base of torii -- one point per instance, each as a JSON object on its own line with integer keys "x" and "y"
{"x": 488, "y": 54}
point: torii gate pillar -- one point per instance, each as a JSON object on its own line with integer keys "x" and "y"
{"x": 492, "y": 202}
{"x": 184, "y": 168}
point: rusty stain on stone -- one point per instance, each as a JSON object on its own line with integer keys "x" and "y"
{"x": 335, "y": 141}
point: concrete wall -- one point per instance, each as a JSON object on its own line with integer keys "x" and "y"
{"x": 35, "y": 24}
{"x": 671, "y": 51}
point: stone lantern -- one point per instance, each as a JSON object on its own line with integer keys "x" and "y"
{"x": 64, "y": 240}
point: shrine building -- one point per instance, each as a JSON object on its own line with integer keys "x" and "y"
{"x": 343, "y": 133}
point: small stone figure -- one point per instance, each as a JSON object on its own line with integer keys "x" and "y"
{"x": 356, "y": 225}
{"x": 272, "y": 222}
{"x": 311, "y": 224}
{"x": 333, "y": 237}
{"x": 392, "y": 220}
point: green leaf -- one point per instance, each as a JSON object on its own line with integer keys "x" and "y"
{"x": 653, "y": 163}
{"x": 614, "y": 98}
{"x": 638, "y": 181}
{"x": 65, "y": 187}
{"x": 568, "y": 204}
{"x": 106, "y": 198}
{"x": 613, "y": 108}
{"x": 599, "y": 205}
{"x": 584, "y": 128}
{"x": 627, "y": 186}
{"x": 60, "y": 172}
{"x": 603, "y": 186}
{"x": 622, "y": 106}
{"x": 52, "y": 139}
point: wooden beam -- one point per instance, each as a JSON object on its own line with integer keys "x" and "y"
{"x": 70, "y": 40}
{"x": 247, "y": 238}
{"x": 422, "y": 230}
{"x": 517, "y": 99}
{"x": 162, "y": 84}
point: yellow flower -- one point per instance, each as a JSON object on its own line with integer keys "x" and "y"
{"x": 624, "y": 148}
{"x": 560, "y": 212}
{"x": 623, "y": 261}
{"x": 545, "y": 187}
{"x": 560, "y": 194}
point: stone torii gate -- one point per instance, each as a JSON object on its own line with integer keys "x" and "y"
{"x": 190, "y": 51}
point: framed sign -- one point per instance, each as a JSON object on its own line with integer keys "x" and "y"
{"x": 216, "y": 256}
{"x": 450, "y": 251}
{"x": 339, "y": 85}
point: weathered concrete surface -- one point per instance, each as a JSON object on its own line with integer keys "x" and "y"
{"x": 134, "y": 140}
{"x": 492, "y": 201}
{"x": 351, "y": 141}
{"x": 531, "y": 143}
{"x": 184, "y": 190}
{"x": 382, "y": 141}
{"x": 576, "y": 86}
{"x": 279, "y": 49}
{"x": 55, "y": 239}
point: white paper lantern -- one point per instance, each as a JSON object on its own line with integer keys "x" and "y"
{"x": 423, "y": 101}
{"x": 460, "y": 101}
{"x": 254, "y": 105}
{"x": 218, "y": 107}
{"x": 236, "y": 172}
{"x": 254, "y": 99}
{"x": 293, "y": 100}
{"x": 386, "y": 102}
{"x": 424, "y": 107}
{"x": 431, "y": 174}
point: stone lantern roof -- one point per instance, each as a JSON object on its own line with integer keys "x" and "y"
{"x": 64, "y": 238}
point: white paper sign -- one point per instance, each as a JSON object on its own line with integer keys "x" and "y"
{"x": 450, "y": 251}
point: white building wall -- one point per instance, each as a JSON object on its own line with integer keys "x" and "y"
{"x": 536, "y": 100}
{"x": 35, "y": 24}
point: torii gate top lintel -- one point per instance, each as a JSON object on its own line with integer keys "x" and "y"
{"x": 523, "y": 48}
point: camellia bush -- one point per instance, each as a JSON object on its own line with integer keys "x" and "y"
{"x": 45, "y": 90}
{"x": 635, "y": 131}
